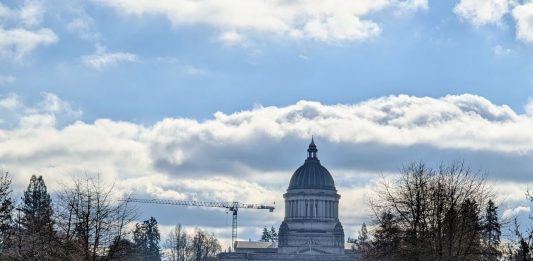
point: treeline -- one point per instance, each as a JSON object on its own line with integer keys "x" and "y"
{"x": 444, "y": 213}
{"x": 85, "y": 222}
{"x": 200, "y": 246}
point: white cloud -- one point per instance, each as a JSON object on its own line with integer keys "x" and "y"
{"x": 482, "y": 12}
{"x": 335, "y": 20}
{"x": 102, "y": 59}
{"x": 31, "y": 14}
{"x": 232, "y": 38}
{"x": 10, "y": 102}
{"x": 501, "y": 51}
{"x": 514, "y": 212}
{"x": 413, "y": 5}
{"x": 6, "y": 79}
{"x": 193, "y": 70}
{"x": 17, "y": 43}
{"x": 49, "y": 112}
{"x": 529, "y": 107}
{"x": 304, "y": 57}
{"x": 4, "y": 11}
{"x": 523, "y": 14}
{"x": 251, "y": 154}
{"x": 20, "y": 40}
{"x": 83, "y": 26}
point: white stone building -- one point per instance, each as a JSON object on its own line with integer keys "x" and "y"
{"x": 311, "y": 229}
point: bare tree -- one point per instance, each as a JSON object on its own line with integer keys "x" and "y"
{"x": 521, "y": 246}
{"x": 203, "y": 246}
{"x": 177, "y": 243}
{"x": 435, "y": 211}
{"x": 200, "y": 246}
{"x": 91, "y": 222}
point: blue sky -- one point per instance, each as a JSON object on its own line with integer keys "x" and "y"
{"x": 183, "y": 70}
{"x": 158, "y": 93}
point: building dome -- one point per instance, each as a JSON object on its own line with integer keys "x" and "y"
{"x": 312, "y": 175}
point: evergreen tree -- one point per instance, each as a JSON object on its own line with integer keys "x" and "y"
{"x": 273, "y": 235}
{"x": 123, "y": 250}
{"x": 265, "y": 237}
{"x": 469, "y": 245}
{"x": 146, "y": 239}
{"x": 385, "y": 245}
{"x": 491, "y": 232}
{"x": 37, "y": 226}
{"x": 363, "y": 242}
{"x": 434, "y": 211}
{"x": 6, "y": 210}
{"x": 269, "y": 235}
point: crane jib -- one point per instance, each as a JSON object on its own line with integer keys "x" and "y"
{"x": 231, "y": 206}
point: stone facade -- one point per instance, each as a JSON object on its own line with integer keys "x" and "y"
{"x": 311, "y": 229}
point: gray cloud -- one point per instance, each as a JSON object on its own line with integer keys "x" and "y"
{"x": 249, "y": 156}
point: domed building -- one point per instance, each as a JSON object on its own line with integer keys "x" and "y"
{"x": 311, "y": 229}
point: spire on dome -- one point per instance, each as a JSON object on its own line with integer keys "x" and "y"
{"x": 312, "y": 149}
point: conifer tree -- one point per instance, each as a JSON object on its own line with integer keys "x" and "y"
{"x": 36, "y": 224}
{"x": 386, "y": 239}
{"x": 6, "y": 210}
{"x": 269, "y": 235}
{"x": 363, "y": 242}
{"x": 265, "y": 237}
{"x": 146, "y": 239}
{"x": 491, "y": 232}
{"x": 273, "y": 235}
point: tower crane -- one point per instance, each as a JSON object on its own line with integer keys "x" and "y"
{"x": 231, "y": 206}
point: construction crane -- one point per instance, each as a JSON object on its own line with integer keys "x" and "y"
{"x": 231, "y": 206}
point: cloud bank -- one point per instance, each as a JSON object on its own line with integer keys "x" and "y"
{"x": 335, "y": 20}
{"x": 250, "y": 155}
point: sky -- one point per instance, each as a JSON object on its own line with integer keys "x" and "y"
{"x": 217, "y": 100}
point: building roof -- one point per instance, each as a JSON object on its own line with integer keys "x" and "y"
{"x": 260, "y": 244}
{"x": 254, "y": 244}
{"x": 349, "y": 246}
{"x": 312, "y": 175}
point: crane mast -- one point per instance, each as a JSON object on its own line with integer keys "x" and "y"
{"x": 231, "y": 206}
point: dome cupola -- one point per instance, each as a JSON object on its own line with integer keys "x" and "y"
{"x": 312, "y": 175}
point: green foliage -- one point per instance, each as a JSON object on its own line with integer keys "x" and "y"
{"x": 492, "y": 232}
{"x": 146, "y": 239}
{"x": 36, "y": 206}
{"x": 433, "y": 214}
{"x": 386, "y": 238}
{"x": 36, "y": 226}
{"x": 269, "y": 235}
{"x": 363, "y": 241}
{"x": 6, "y": 209}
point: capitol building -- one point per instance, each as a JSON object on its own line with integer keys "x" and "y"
{"x": 311, "y": 229}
